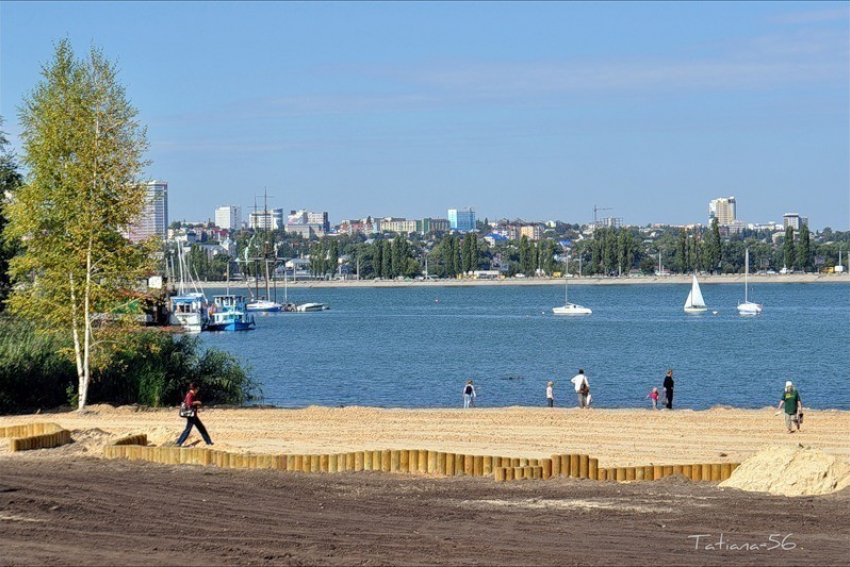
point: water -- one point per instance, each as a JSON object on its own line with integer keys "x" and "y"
{"x": 416, "y": 347}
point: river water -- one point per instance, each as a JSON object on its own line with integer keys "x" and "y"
{"x": 415, "y": 347}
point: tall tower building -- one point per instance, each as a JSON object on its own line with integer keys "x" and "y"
{"x": 723, "y": 210}
{"x": 462, "y": 220}
{"x": 228, "y": 217}
{"x": 153, "y": 221}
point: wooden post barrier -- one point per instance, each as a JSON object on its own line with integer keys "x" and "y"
{"x": 358, "y": 461}
{"x": 404, "y": 461}
{"x": 696, "y": 473}
{"x": 565, "y": 464}
{"x": 395, "y": 461}
{"x": 640, "y": 473}
{"x": 349, "y": 461}
{"x": 432, "y": 462}
{"x": 386, "y": 460}
{"x": 630, "y": 473}
{"x": 468, "y": 464}
{"x": 298, "y": 463}
{"x": 460, "y": 464}
{"x": 621, "y": 474}
{"x": 376, "y": 459}
{"x": 450, "y": 464}
{"x": 574, "y": 465}
{"x": 583, "y": 465}
{"x": 441, "y": 463}
{"x": 367, "y": 461}
{"x": 547, "y": 469}
{"x": 715, "y": 472}
{"x": 422, "y": 462}
{"x": 333, "y": 463}
{"x": 519, "y": 473}
{"x": 305, "y": 463}
{"x": 325, "y": 463}
{"x": 499, "y": 474}
{"x": 725, "y": 471}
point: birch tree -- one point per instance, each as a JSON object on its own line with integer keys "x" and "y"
{"x": 83, "y": 153}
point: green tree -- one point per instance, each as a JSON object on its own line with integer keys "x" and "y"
{"x": 526, "y": 258}
{"x": 387, "y": 259}
{"x": 378, "y": 259}
{"x": 790, "y": 255}
{"x": 713, "y": 249}
{"x": 10, "y": 180}
{"x": 83, "y": 148}
{"x": 804, "y": 249}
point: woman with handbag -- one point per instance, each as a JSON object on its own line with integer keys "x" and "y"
{"x": 189, "y": 409}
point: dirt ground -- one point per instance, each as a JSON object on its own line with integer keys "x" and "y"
{"x": 78, "y": 510}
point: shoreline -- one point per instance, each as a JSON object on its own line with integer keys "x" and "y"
{"x": 677, "y": 279}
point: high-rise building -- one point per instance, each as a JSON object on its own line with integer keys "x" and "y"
{"x": 794, "y": 220}
{"x": 723, "y": 210}
{"x": 228, "y": 217}
{"x": 153, "y": 221}
{"x": 462, "y": 220}
{"x": 531, "y": 232}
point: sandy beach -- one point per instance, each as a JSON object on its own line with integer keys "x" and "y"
{"x": 615, "y": 437}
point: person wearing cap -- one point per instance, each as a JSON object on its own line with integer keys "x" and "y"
{"x": 793, "y": 406}
{"x": 550, "y": 395}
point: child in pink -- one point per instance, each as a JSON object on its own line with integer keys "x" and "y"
{"x": 654, "y": 395}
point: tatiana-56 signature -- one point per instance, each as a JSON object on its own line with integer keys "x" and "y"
{"x": 709, "y": 542}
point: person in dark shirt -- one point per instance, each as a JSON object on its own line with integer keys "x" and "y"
{"x": 193, "y": 420}
{"x": 793, "y": 406}
{"x": 668, "y": 388}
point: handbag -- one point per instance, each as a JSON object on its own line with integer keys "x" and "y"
{"x": 186, "y": 410}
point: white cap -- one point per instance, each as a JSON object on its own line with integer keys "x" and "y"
{"x": 788, "y": 384}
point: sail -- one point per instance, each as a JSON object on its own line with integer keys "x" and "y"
{"x": 695, "y": 297}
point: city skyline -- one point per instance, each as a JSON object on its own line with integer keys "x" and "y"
{"x": 533, "y": 110}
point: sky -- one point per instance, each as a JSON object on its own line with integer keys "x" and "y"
{"x": 537, "y": 111}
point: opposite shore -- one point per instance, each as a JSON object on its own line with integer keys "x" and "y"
{"x": 676, "y": 279}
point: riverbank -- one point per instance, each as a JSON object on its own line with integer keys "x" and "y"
{"x": 615, "y": 437}
{"x": 676, "y": 279}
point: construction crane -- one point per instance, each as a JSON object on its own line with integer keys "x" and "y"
{"x": 595, "y": 210}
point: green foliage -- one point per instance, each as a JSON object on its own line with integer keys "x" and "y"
{"x": 10, "y": 180}
{"x": 804, "y": 249}
{"x": 790, "y": 251}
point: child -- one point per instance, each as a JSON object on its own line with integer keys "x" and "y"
{"x": 654, "y": 395}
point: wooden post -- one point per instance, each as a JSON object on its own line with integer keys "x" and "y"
{"x": 725, "y": 471}
{"x": 477, "y": 465}
{"x": 367, "y": 461}
{"x": 487, "y": 468}
{"x": 386, "y": 460}
{"x": 395, "y": 461}
{"x": 519, "y": 473}
{"x": 688, "y": 471}
{"x": 432, "y": 462}
{"x": 528, "y": 472}
{"x": 499, "y": 474}
{"x": 696, "y": 473}
{"x": 677, "y": 469}
{"x": 468, "y": 464}
{"x": 630, "y": 473}
{"x": 350, "y": 461}
{"x": 715, "y": 472}
{"x": 668, "y": 470}
{"x": 604, "y": 474}
{"x": 547, "y": 469}
{"x": 537, "y": 472}
{"x": 325, "y": 463}
{"x": 307, "y": 465}
{"x": 359, "y": 459}
{"x": 639, "y": 473}
{"x": 441, "y": 463}
{"x": 621, "y": 474}
{"x": 583, "y": 464}
{"x": 516, "y": 462}
{"x": 450, "y": 464}
{"x": 649, "y": 472}
{"x": 509, "y": 473}
{"x": 298, "y": 463}
{"x": 556, "y": 465}
{"x": 593, "y": 469}
{"x": 574, "y": 465}
{"x": 404, "y": 461}
{"x": 333, "y": 463}
{"x": 497, "y": 462}
{"x": 460, "y": 464}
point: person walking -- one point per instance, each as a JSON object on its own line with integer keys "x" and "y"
{"x": 668, "y": 388}
{"x": 793, "y": 406}
{"x": 582, "y": 388}
{"x": 550, "y": 395}
{"x": 653, "y": 395}
{"x": 468, "y": 395}
{"x": 189, "y": 409}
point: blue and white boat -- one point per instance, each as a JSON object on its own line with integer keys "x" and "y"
{"x": 263, "y": 306}
{"x": 228, "y": 313}
{"x": 189, "y": 311}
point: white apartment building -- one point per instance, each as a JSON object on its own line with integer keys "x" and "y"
{"x": 722, "y": 209}
{"x": 794, "y": 220}
{"x": 228, "y": 217}
{"x": 153, "y": 220}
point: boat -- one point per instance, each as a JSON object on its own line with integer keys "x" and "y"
{"x": 310, "y": 307}
{"x": 187, "y": 309}
{"x": 570, "y": 308}
{"x": 263, "y": 306}
{"x": 748, "y": 308}
{"x": 228, "y": 313}
{"x": 695, "y": 303}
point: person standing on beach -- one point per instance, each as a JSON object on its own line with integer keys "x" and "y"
{"x": 192, "y": 420}
{"x": 793, "y": 406}
{"x": 653, "y": 395}
{"x": 550, "y": 395}
{"x": 582, "y": 388}
{"x": 668, "y": 388}
{"x": 468, "y": 395}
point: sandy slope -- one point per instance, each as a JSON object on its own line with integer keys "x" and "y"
{"x": 616, "y": 437}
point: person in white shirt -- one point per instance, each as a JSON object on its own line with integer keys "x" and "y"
{"x": 468, "y": 394}
{"x": 550, "y": 395}
{"x": 582, "y": 388}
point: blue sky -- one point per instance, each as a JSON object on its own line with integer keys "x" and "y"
{"x": 531, "y": 110}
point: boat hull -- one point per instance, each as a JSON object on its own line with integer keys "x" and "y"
{"x": 749, "y": 309}
{"x": 696, "y": 310}
{"x": 311, "y": 307}
{"x": 571, "y": 309}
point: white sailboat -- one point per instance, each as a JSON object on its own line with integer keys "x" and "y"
{"x": 570, "y": 308}
{"x": 748, "y": 308}
{"x": 695, "y": 303}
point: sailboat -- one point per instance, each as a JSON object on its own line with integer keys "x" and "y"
{"x": 187, "y": 309}
{"x": 695, "y": 303}
{"x": 748, "y": 308}
{"x": 570, "y": 308}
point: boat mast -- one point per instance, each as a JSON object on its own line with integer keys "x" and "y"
{"x": 746, "y": 273}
